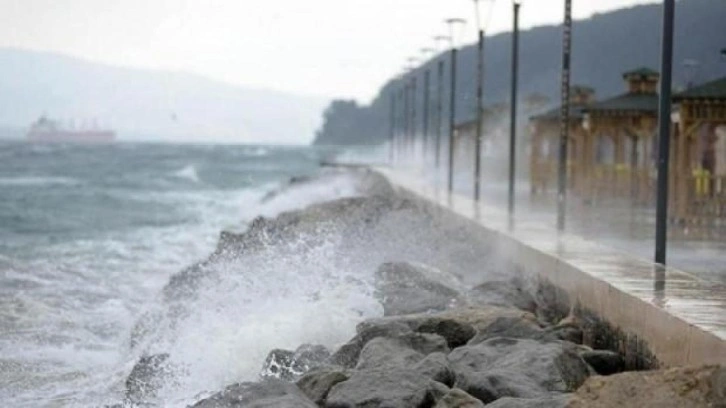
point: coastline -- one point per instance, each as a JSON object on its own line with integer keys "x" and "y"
{"x": 457, "y": 325}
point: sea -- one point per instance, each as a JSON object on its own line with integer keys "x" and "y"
{"x": 89, "y": 236}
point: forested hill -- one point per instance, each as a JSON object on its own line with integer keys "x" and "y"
{"x": 604, "y": 46}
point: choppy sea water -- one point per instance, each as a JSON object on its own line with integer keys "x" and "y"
{"x": 89, "y": 235}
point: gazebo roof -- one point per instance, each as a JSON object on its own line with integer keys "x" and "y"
{"x": 642, "y": 72}
{"x": 628, "y": 102}
{"x": 576, "y": 113}
{"x": 710, "y": 90}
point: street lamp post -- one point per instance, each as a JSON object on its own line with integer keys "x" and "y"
{"x": 481, "y": 27}
{"x": 513, "y": 113}
{"x": 414, "y": 91}
{"x": 452, "y": 22}
{"x": 564, "y": 117}
{"x": 392, "y": 123}
{"x": 426, "y": 112}
{"x": 439, "y": 103}
{"x": 664, "y": 123}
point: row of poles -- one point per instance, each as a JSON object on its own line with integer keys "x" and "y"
{"x": 406, "y": 95}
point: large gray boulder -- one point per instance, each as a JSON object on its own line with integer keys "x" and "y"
{"x": 269, "y": 393}
{"x": 555, "y": 401}
{"x": 436, "y": 367}
{"x": 400, "y": 352}
{"x": 147, "y": 377}
{"x": 521, "y": 368}
{"x": 405, "y": 288}
{"x": 347, "y": 355}
{"x": 290, "y": 365}
{"x": 385, "y": 388}
{"x": 457, "y": 326}
{"x": 511, "y": 293}
{"x": 526, "y": 326}
{"x": 604, "y": 362}
{"x": 316, "y": 384}
{"x": 457, "y": 398}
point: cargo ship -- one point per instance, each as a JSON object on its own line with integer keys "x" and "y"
{"x": 50, "y": 131}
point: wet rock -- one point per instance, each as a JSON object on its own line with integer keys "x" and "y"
{"x": 553, "y": 303}
{"x": 183, "y": 285}
{"x": 522, "y": 368}
{"x": 604, "y": 362}
{"x": 567, "y": 332}
{"x": 399, "y": 352}
{"x": 457, "y": 326}
{"x": 693, "y": 387}
{"x": 384, "y": 353}
{"x": 385, "y": 388}
{"x": 503, "y": 293}
{"x": 269, "y": 393}
{"x": 436, "y": 367}
{"x": 520, "y": 327}
{"x": 347, "y": 355}
{"x": 556, "y": 401}
{"x": 405, "y": 288}
{"x": 289, "y": 365}
{"x": 317, "y": 383}
{"x": 146, "y": 378}
{"x": 455, "y": 332}
{"x": 457, "y": 398}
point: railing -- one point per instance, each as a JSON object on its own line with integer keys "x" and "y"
{"x": 602, "y": 182}
{"x": 706, "y": 196}
{"x": 622, "y": 181}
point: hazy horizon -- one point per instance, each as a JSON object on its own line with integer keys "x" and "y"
{"x": 252, "y": 46}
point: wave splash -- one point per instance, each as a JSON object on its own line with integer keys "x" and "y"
{"x": 37, "y": 181}
{"x": 188, "y": 172}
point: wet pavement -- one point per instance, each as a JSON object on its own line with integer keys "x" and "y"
{"x": 613, "y": 245}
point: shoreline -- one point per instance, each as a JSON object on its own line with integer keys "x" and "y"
{"x": 444, "y": 339}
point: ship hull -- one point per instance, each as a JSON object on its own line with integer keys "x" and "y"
{"x": 99, "y": 136}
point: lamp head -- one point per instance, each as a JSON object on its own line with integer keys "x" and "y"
{"x": 453, "y": 23}
{"x": 483, "y": 10}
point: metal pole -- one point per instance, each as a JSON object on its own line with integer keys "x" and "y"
{"x": 564, "y": 117}
{"x": 664, "y": 124}
{"x": 401, "y": 121}
{"x": 392, "y": 123}
{"x": 414, "y": 136}
{"x": 452, "y": 116}
{"x": 426, "y": 97}
{"x": 479, "y": 119}
{"x": 513, "y": 114}
{"x": 439, "y": 114}
{"x": 406, "y": 124}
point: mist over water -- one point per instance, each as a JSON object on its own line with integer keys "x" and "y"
{"x": 90, "y": 234}
{"x": 90, "y": 237}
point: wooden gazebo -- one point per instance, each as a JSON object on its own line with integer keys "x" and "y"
{"x": 544, "y": 143}
{"x": 617, "y": 158}
{"x": 698, "y": 154}
{"x": 494, "y": 118}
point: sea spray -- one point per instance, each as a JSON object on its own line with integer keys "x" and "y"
{"x": 301, "y": 277}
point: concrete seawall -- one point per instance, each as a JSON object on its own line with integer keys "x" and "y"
{"x": 660, "y": 316}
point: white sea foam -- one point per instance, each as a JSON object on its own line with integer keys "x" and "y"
{"x": 188, "y": 172}
{"x": 257, "y": 151}
{"x": 37, "y": 181}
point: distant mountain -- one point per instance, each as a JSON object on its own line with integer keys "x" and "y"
{"x": 604, "y": 46}
{"x": 146, "y": 104}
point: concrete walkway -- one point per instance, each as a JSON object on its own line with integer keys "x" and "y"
{"x": 682, "y": 317}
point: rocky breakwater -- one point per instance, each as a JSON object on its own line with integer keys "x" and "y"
{"x": 438, "y": 346}
{"x": 439, "y": 340}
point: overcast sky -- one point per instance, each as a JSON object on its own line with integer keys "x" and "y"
{"x": 331, "y": 48}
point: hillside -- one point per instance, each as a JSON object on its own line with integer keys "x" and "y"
{"x": 604, "y": 46}
{"x": 147, "y": 104}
